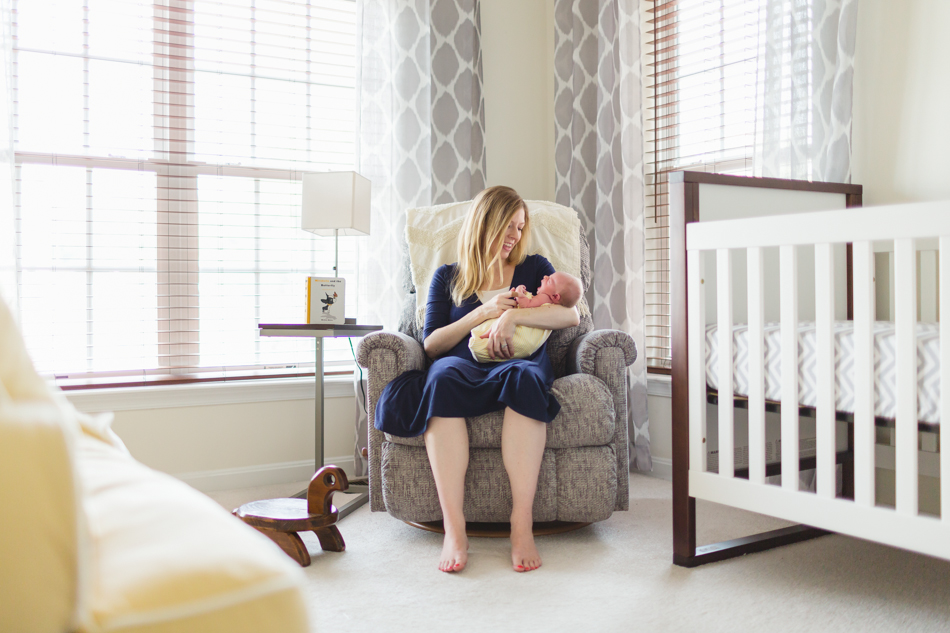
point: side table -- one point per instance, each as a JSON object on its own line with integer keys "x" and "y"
{"x": 318, "y": 332}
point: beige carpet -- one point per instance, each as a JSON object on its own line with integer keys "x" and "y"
{"x": 617, "y": 576}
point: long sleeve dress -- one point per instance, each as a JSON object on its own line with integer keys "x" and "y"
{"x": 456, "y": 385}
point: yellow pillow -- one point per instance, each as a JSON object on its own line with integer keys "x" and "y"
{"x": 526, "y": 341}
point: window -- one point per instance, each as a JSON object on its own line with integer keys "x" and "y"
{"x": 159, "y": 150}
{"x": 703, "y": 65}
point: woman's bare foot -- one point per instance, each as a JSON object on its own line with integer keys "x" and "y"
{"x": 454, "y": 552}
{"x": 524, "y": 554}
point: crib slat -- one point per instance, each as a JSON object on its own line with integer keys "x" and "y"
{"x": 943, "y": 259}
{"x": 825, "y": 369}
{"x": 864, "y": 432}
{"x": 696, "y": 316}
{"x": 788, "y": 277}
{"x": 754, "y": 265}
{"x": 725, "y": 370}
{"x": 905, "y": 342}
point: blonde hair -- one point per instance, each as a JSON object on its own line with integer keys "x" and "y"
{"x": 485, "y": 225}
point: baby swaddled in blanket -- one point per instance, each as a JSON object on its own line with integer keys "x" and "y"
{"x": 558, "y": 288}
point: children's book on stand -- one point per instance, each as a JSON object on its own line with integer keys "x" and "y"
{"x": 325, "y": 300}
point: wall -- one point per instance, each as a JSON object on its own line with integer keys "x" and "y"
{"x": 518, "y": 65}
{"x": 901, "y": 98}
{"x": 227, "y": 444}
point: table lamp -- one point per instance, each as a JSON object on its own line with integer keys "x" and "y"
{"x": 335, "y": 203}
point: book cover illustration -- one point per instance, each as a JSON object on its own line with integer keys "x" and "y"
{"x": 325, "y": 300}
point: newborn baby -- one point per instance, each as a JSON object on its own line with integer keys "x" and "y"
{"x": 557, "y": 288}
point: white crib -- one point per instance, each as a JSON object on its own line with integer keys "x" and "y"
{"x": 904, "y": 229}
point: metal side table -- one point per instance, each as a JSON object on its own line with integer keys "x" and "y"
{"x": 320, "y": 332}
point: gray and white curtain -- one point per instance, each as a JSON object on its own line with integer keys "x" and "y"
{"x": 806, "y": 71}
{"x": 421, "y": 131}
{"x": 8, "y": 286}
{"x": 599, "y": 161}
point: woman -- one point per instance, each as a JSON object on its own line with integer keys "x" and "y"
{"x": 492, "y": 260}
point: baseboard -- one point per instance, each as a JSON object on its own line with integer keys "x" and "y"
{"x": 259, "y": 475}
{"x": 662, "y": 469}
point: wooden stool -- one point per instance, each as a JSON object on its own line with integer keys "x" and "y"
{"x": 281, "y": 519}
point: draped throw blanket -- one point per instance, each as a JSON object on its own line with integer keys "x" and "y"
{"x": 599, "y": 163}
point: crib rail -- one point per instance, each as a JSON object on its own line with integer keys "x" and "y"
{"x": 904, "y": 226}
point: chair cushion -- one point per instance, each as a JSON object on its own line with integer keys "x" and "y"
{"x": 410, "y": 495}
{"x": 168, "y": 558}
{"x": 586, "y": 418}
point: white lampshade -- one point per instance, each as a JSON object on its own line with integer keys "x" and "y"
{"x": 335, "y": 200}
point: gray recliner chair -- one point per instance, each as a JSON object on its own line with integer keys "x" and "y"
{"x": 584, "y": 471}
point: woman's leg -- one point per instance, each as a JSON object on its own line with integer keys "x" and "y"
{"x": 522, "y": 447}
{"x": 447, "y": 445}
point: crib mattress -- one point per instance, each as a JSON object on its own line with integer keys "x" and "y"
{"x": 885, "y": 360}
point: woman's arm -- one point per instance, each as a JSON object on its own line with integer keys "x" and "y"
{"x": 549, "y": 317}
{"x": 443, "y": 339}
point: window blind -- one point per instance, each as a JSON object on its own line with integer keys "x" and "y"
{"x": 159, "y": 150}
{"x": 702, "y": 60}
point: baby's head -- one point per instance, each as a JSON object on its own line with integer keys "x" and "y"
{"x": 564, "y": 289}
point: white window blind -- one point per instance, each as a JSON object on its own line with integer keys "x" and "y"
{"x": 159, "y": 150}
{"x": 702, "y": 82}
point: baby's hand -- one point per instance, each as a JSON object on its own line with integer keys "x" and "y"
{"x": 520, "y": 291}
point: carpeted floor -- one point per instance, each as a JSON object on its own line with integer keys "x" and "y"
{"x": 616, "y": 576}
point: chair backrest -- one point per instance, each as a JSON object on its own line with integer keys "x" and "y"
{"x": 559, "y": 341}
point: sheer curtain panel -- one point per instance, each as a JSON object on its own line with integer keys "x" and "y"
{"x": 599, "y": 161}
{"x": 8, "y": 288}
{"x": 422, "y": 122}
{"x": 159, "y": 150}
{"x": 743, "y": 87}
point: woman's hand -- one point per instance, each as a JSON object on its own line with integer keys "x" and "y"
{"x": 497, "y": 305}
{"x": 500, "y": 337}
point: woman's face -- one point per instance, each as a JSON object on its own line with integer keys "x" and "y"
{"x": 512, "y": 234}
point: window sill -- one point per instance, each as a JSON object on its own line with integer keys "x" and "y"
{"x": 207, "y": 393}
{"x": 660, "y": 385}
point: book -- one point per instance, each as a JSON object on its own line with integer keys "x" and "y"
{"x": 325, "y": 300}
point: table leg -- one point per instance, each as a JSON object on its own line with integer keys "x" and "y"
{"x": 318, "y": 408}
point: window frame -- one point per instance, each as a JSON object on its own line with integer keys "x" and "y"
{"x": 172, "y": 160}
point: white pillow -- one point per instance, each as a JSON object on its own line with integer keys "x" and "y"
{"x": 432, "y": 235}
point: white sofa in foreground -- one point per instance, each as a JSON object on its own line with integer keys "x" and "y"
{"x": 91, "y": 540}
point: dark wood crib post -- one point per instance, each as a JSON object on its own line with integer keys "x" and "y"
{"x": 684, "y": 208}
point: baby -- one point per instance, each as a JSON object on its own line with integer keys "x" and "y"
{"x": 556, "y": 288}
{"x": 559, "y": 288}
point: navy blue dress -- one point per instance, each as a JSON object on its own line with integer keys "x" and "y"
{"x": 456, "y": 385}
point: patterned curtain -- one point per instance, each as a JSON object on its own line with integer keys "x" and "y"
{"x": 421, "y": 138}
{"x": 421, "y": 129}
{"x": 803, "y": 119}
{"x": 8, "y": 287}
{"x": 599, "y": 161}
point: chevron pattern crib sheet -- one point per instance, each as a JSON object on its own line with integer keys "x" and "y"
{"x": 928, "y": 366}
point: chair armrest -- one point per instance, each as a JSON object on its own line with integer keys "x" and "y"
{"x": 582, "y": 357}
{"x": 402, "y": 353}
{"x": 385, "y": 355}
{"x": 606, "y": 354}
